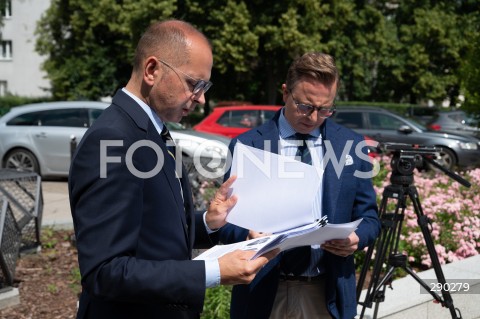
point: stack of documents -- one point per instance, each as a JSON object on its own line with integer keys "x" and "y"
{"x": 314, "y": 234}
{"x": 275, "y": 196}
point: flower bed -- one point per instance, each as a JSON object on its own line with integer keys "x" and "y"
{"x": 453, "y": 211}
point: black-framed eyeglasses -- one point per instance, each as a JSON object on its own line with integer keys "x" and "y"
{"x": 198, "y": 85}
{"x": 307, "y": 110}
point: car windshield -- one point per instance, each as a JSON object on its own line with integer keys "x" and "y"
{"x": 465, "y": 118}
{"x": 472, "y": 121}
{"x": 417, "y": 124}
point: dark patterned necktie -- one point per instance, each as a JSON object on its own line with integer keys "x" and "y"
{"x": 296, "y": 261}
{"x": 167, "y": 138}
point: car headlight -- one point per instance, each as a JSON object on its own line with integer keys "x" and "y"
{"x": 468, "y": 145}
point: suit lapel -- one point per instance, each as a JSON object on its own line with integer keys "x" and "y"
{"x": 189, "y": 224}
{"x": 141, "y": 119}
{"x": 331, "y": 183}
{"x": 177, "y": 185}
{"x": 268, "y": 133}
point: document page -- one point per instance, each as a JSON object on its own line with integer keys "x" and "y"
{"x": 312, "y": 236}
{"x": 275, "y": 193}
{"x": 320, "y": 235}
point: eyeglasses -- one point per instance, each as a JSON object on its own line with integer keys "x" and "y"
{"x": 307, "y": 110}
{"x": 198, "y": 85}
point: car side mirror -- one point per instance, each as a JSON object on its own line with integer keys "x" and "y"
{"x": 405, "y": 129}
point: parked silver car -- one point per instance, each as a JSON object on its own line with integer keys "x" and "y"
{"x": 37, "y": 137}
{"x": 384, "y": 126}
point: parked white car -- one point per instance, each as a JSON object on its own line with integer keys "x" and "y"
{"x": 38, "y": 137}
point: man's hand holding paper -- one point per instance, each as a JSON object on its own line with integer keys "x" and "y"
{"x": 342, "y": 247}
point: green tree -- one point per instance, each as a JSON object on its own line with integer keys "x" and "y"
{"x": 90, "y": 45}
{"x": 470, "y": 69}
{"x": 254, "y": 42}
{"x": 432, "y": 41}
{"x": 3, "y": 5}
{"x": 358, "y": 40}
{"x": 390, "y": 51}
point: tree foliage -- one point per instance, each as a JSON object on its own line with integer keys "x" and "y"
{"x": 3, "y": 4}
{"x": 391, "y": 51}
{"x": 90, "y": 44}
{"x": 470, "y": 66}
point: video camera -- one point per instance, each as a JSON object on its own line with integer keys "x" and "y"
{"x": 408, "y": 156}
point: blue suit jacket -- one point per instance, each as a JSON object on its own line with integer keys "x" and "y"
{"x": 345, "y": 198}
{"x": 134, "y": 236}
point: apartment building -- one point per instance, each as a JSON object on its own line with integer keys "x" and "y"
{"x": 20, "y": 65}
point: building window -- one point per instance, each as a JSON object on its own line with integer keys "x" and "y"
{"x": 7, "y": 10}
{"x": 5, "y": 50}
{"x": 3, "y": 88}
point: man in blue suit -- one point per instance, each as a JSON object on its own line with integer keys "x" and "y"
{"x": 132, "y": 210}
{"x": 312, "y": 282}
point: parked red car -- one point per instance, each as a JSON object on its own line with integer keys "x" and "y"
{"x": 231, "y": 121}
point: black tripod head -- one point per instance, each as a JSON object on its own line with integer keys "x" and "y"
{"x": 407, "y": 157}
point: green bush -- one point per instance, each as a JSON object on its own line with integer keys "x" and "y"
{"x": 217, "y": 303}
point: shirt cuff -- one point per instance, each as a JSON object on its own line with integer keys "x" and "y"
{"x": 209, "y": 231}
{"x": 212, "y": 273}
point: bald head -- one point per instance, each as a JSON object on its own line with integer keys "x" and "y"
{"x": 168, "y": 40}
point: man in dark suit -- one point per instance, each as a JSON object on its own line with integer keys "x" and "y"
{"x": 312, "y": 282}
{"x": 132, "y": 211}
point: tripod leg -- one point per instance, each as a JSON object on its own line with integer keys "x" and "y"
{"x": 380, "y": 246}
{"x": 363, "y": 272}
{"x": 423, "y": 223}
{"x": 377, "y": 292}
{"x": 384, "y": 245}
{"x": 423, "y": 284}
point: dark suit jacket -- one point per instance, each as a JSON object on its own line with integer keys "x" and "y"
{"x": 345, "y": 198}
{"x": 134, "y": 236}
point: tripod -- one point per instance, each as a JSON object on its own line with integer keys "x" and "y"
{"x": 387, "y": 244}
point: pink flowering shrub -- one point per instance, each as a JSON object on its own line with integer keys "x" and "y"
{"x": 452, "y": 209}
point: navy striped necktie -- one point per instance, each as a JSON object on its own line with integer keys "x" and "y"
{"x": 303, "y": 152}
{"x": 295, "y": 261}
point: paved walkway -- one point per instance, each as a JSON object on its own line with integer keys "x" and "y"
{"x": 56, "y": 207}
{"x": 404, "y": 301}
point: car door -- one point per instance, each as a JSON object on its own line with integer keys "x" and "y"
{"x": 53, "y": 134}
{"x": 386, "y": 127}
{"x": 378, "y": 125}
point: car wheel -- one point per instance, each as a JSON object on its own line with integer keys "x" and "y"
{"x": 21, "y": 160}
{"x": 447, "y": 160}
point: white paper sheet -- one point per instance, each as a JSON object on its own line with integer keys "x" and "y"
{"x": 275, "y": 193}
